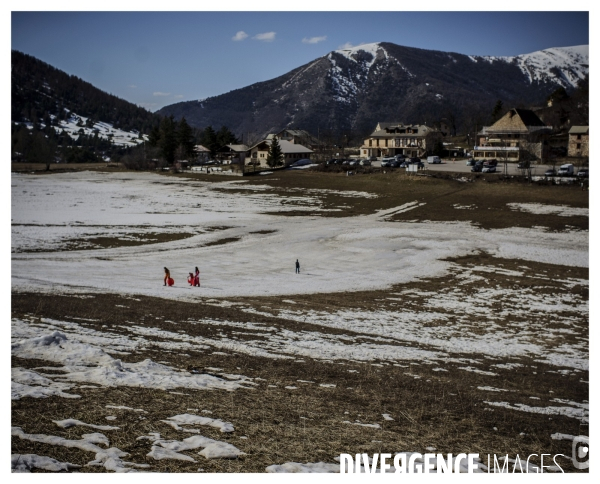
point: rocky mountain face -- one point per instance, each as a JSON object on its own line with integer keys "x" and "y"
{"x": 353, "y": 89}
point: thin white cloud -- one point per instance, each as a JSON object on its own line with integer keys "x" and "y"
{"x": 132, "y": 86}
{"x": 241, "y": 35}
{"x": 158, "y": 93}
{"x": 178, "y": 96}
{"x": 265, "y": 37}
{"x": 313, "y": 40}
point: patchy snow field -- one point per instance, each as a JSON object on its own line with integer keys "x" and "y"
{"x": 336, "y": 254}
{"x": 379, "y": 341}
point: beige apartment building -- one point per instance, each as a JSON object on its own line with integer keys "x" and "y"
{"x": 391, "y": 139}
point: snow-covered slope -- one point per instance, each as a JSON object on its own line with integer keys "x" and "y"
{"x": 74, "y": 125}
{"x": 563, "y": 65}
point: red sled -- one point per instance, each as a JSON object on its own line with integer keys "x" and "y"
{"x": 190, "y": 280}
{"x": 170, "y": 281}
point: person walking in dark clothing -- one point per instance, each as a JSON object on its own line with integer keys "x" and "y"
{"x": 297, "y": 267}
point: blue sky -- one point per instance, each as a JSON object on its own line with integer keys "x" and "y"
{"x": 158, "y": 58}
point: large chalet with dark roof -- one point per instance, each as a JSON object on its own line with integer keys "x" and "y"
{"x": 517, "y": 135}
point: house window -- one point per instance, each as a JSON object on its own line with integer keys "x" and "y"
{"x": 578, "y": 137}
{"x": 370, "y": 142}
{"x": 578, "y": 146}
{"x": 377, "y": 142}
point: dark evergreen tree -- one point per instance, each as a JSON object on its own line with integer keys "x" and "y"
{"x": 209, "y": 140}
{"x": 154, "y": 136}
{"x": 225, "y": 137}
{"x": 558, "y": 96}
{"x": 497, "y": 111}
{"x": 185, "y": 139}
{"x": 274, "y": 156}
{"x": 168, "y": 139}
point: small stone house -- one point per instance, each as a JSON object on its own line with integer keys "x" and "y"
{"x": 579, "y": 141}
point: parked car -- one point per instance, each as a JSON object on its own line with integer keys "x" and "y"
{"x": 583, "y": 173}
{"x": 488, "y": 169}
{"x": 550, "y": 172}
{"x": 331, "y": 162}
{"x": 470, "y": 162}
{"x": 400, "y": 157}
{"x": 372, "y": 158}
{"x": 353, "y": 163}
{"x": 433, "y": 159}
{"x": 417, "y": 161}
{"x": 566, "y": 170}
{"x": 387, "y": 162}
{"x": 365, "y": 162}
{"x": 478, "y": 166}
{"x": 345, "y": 162}
{"x": 302, "y": 162}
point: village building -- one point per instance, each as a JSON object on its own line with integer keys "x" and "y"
{"x": 202, "y": 152}
{"x": 297, "y": 136}
{"x": 391, "y": 139}
{"x": 518, "y": 135}
{"x": 231, "y": 154}
{"x": 292, "y": 152}
{"x": 579, "y": 141}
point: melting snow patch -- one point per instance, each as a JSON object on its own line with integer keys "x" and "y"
{"x": 87, "y": 363}
{"x": 108, "y": 458}
{"x": 581, "y": 413}
{"x": 545, "y": 209}
{"x": 187, "y": 419}
{"x": 295, "y": 467}
{"x": 28, "y": 383}
{"x": 27, "y": 462}
{"x": 212, "y": 449}
{"x": 70, "y": 422}
{"x": 371, "y": 426}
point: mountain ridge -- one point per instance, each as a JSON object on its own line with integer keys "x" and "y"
{"x": 353, "y": 89}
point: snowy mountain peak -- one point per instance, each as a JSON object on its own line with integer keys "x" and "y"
{"x": 563, "y": 65}
{"x": 370, "y": 48}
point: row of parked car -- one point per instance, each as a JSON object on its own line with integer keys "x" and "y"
{"x": 401, "y": 162}
{"x": 483, "y": 166}
{"x": 335, "y": 161}
{"x": 490, "y": 166}
{"x": 568, "y": 170}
